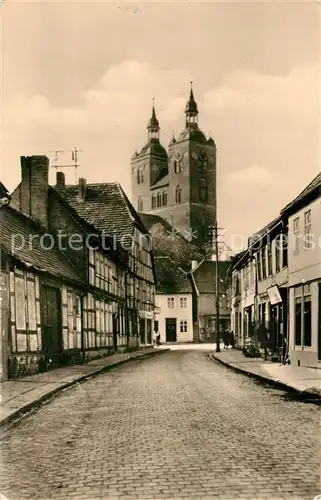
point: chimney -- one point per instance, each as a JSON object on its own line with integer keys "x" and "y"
{"x": 60, "y": 182}
{"x": 81, "y": 189}
{"x": 34, "y": 187}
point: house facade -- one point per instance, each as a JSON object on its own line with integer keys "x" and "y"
{"x": 174, "y": 301}
{"x": 304, "y": 256}
{"x": 276, "y": 280}
{"x": 72, "y": 289}
{"x": 259, "y": 286}
{"x": 204, "y": 282}
{"x": 107, "y": 209}
{"x": 42, "y": 293}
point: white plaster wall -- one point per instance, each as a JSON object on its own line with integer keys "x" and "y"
{"x": 182, "y": 314}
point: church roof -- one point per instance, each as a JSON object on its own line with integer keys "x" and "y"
{"x": 154, "y": 147}
{"x": 153, "y": 123}
{"x": 193, "y": 133}
{"x": 163, "y": 180}
{"x": 191, "y": 106}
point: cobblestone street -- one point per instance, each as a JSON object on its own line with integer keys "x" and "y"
{"x": 173, "y": 426}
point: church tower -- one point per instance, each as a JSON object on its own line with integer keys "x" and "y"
{"x": 182, "y": 183}
{"x": 150, "y": 171}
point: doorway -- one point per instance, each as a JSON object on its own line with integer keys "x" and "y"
{"x": 171, "y": 333}
{"x": 52, "y": 342}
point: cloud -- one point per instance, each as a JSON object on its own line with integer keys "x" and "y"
{"x": 296, "y": 93}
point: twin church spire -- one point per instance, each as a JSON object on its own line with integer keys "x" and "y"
{"x": 191, "y": 114}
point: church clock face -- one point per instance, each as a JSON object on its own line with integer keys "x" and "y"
{"x": 194, "y": 155}
{"x": 154, "y": 167}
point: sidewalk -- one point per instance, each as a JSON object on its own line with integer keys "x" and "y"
{"x": 291, "y": 378}
{"x": 19, "y": 396}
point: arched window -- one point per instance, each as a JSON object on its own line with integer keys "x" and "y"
{"x": 159, "y": 199}
{"x": 164, "y": 198}
{"x": 140, "y": 175}
{"x": 175, "y": 166}
{"x": 154, "y": 201}
{"x": 140, "y": 204}
{"x": 203, "y": 190}
{"x": 178, "y": 194}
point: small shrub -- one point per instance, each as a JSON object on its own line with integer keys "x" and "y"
{"x": 251, "y": 351}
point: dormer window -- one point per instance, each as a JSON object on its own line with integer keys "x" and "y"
{"x": 178, "y": 194}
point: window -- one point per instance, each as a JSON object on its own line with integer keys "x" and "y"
{"x": 277, "y": 243}
{"x": 154, "y": 201}
{"x": 307, "y": 230}
{"x": 140, "y": 175}
{"x": 296, "y": 236}
{"x": 284, "y": 250}
{"x": 140, "y": 204}
{"x": 183, "y": 302}
{"x": 203, "y": 191}
{"x": 269, "y": 256}
{"x": 183, "y": 326}
{"x": 264, "y": 263}
{"x": 303, "y": 323}
{"x": 164, "y": 198}
{"x": 298, "y": 314}
{"x": 259, "y": 266}
{"x": 156, "y": 327}
{"x": 170, "y": 302}
{"x": 178, "y": 194}
{"x": 159, "y": 200}
{"x": 307, "y": 322}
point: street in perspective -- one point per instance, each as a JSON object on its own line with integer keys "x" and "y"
{"x": 177, "y": 425}
{"x": 160, "y": 250}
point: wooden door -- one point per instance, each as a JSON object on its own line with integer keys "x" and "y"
{"x": 171, "y": 333}
{"x": 142, "y": 331}
{"x": 52, "y": 343}
{"x": 115, "y": 331}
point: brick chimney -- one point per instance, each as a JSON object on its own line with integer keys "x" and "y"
{"x": 34, "y": 187}
{"x": 60, "y": 182}
{"x": 82, "y": 188}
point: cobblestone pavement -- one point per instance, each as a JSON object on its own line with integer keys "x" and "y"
{"x": 174, "y": 426}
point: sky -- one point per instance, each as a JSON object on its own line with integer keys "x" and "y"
{"x": 84, "y": 74}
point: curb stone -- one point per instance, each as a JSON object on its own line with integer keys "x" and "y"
{"x": 29, "y": 408}
{"x": 305, "y": 395}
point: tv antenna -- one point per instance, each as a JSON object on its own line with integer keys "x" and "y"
{"x": 74, "y": 159}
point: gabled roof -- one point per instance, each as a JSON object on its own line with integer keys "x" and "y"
{"x": 20, "y": 237}
{"x": 313, "y": 187}
{"x": 107, "y": 208}
{"x": 170, "y": 278}
{"x": 205, "y": 275}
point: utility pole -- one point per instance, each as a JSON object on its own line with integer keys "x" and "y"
{"x": 217, "y": 288}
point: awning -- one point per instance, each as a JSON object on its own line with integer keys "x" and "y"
{"x": 274, "y": 295}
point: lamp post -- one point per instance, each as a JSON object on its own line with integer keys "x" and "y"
{"x": 217, "y": 298}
